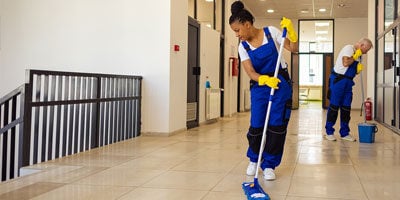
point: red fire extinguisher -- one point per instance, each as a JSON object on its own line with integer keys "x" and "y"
{"x": 368, "y": 109}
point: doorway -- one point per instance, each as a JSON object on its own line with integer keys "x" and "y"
{"x": 193, "y": 75}
{"x": 315, "y": 61}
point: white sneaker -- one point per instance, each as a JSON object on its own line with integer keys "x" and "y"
{"x": 269, "y": 174}
{"x": 330, "y": 137}
{"x": 251, "y": 169}
{"x": 349, "y": 138}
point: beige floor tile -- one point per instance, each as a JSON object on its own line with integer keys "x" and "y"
{"x": 180, "y": 149}
{"x": 379, "y": 189}
{"x": 121, "y": 177}
{"x": 186, "y": 180}
{"x": 306, "y": 198}
{"x": 75, "y": 175}
{"x": 313, "y": 159}
{"x": 30, "y": 191}
{"x": 153, "y": 162}
{"x": 211, "y": 161}
{"x": 329, "y": 172}
{"x": 84, "y": 192}
{"x": 163, "y": 194}
{"x": 323, "y": 187}
{"x": 224, "y": 195}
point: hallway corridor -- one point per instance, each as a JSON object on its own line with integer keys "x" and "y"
{"x": 209, "y": 163}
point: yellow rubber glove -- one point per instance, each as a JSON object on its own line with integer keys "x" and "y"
{"x": 360, "y": 67}
{"x": 291, "y": 33}
{"x": 271, "y": 82}
{"x": 357, "y": 54}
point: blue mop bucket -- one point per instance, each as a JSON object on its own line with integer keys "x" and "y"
{"x": 366, "y": 132}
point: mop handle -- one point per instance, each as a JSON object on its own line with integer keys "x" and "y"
{"x": 278, "y": 62}
{"x": 362, "y": 95}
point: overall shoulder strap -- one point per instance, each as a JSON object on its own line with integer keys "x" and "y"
{"x": 246, "y": 46}
{"x": 268, "y": 34}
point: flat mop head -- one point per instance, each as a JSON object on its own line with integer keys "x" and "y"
{"x": 254, "y": 191}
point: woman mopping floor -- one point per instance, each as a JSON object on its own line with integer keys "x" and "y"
{"x": 266, "y": 69}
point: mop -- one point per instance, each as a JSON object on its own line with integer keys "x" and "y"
{"x": 362, "y": 95}
{"x": 253, "y": 190}
{"x": 362, "y": 126}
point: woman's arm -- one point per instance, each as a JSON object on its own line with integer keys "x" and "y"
{"x": 248, "y": 67}
{"x": 291, "y": 46}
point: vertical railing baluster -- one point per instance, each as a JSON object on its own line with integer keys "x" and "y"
{"x": 51, "y": 132}
{"x": 59, "y": 129}
{"x": 36, "y": 120}
{"x": 65, "y": 117}
{"x": 100, "y": 112}
{"x": 96, "y": 120}
{"x": 82, "y": 117}
{"x": 12, "y": 137}
{"x": 4, "y": 174}
{"x": 44, "y": 119}
{"x": 71, "y": 116}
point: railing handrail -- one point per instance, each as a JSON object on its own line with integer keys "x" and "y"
{"x": 11, "y": 94}
{"x": 85, "y": 74}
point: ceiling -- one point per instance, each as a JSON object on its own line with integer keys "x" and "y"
{"x": 307, "y": 9}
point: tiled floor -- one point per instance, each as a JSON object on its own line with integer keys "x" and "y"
{"x": 209, "y": 163}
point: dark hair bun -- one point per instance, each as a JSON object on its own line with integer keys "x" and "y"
{"x": 236, "y": 7}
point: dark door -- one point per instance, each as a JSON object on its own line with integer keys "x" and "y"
{"x": 192, "y": 116}
{"x": 328, "y": 63}
{"x": 222, "y": 72}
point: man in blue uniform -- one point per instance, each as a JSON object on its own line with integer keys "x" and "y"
{"x": 340, "y": 94}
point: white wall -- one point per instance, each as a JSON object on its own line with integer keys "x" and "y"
{"x": 231, "y": 50}
{"x": 209, "y": 63}
{"x": 99, "y": 36}
{"x": 178, "y": 66}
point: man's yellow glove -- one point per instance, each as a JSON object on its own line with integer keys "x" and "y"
{"x": 271, "y": 82}
{"x": 287, "y": 23}
{"x": 360, "y": 67}
{"x": 357, "y": 54}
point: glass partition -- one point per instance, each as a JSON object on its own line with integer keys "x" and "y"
{"x": 310, "y": 70}
{"x": 389, "y": 12}
{"x": 388, "y": 78}
{"x": 316, "y": 36}
{"x": 379, "y": 80}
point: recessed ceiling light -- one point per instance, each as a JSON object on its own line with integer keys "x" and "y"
{"x": 322, "y": 10}
{"x": 304, "y": 11}
{"x": 209, "y": 0}
{"x": 321, "y": 32}
{"x": 321, "y": 23}
{"x": 270, "y": 11}
{"x": 321, "y": 38}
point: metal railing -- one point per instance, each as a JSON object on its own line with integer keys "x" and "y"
{"x": 62, "y": 113}
{"x": 11, "y": 129}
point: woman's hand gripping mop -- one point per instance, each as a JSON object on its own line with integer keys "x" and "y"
{"x": 253, "y": 190}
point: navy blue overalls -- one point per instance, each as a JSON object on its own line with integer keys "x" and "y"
{"x": 264, "y": 60}
{"x": 340, "y": 95}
